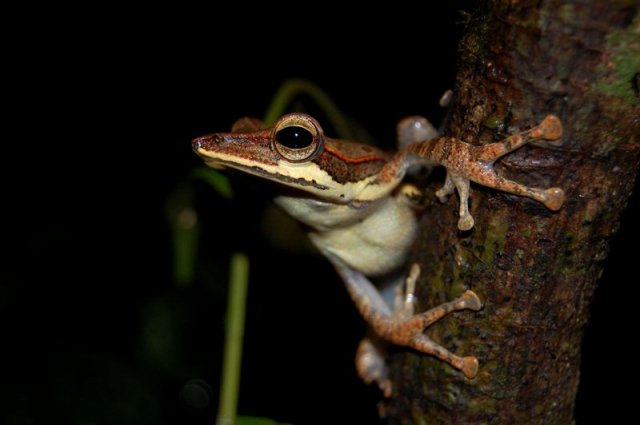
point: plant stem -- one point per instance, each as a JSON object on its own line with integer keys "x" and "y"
{"x": 232, "y": 360}
{"x": 291, "y": 88}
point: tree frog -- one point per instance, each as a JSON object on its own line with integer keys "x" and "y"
{"x": 351, "y": 199}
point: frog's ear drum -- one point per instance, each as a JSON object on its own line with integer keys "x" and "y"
{"x": 297, "y": 138}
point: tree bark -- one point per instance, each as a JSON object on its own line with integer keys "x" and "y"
{"x": 535, "y": 270}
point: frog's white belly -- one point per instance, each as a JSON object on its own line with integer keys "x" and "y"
{"x": 373, "y": 239}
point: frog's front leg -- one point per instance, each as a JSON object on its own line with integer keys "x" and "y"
{"x": 403, "y": 329}
{"x": 465, "y": 162}
{"x": 478, "y": 166}
{"x": 455, "y": 182}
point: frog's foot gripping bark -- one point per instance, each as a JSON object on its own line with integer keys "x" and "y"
{"x": 465, "y": 162}
{"x": 371, "y": 353}
{"x": 415, "y": 324}
{"x": 407, "y": 328}
{"x": 400, "y": 328}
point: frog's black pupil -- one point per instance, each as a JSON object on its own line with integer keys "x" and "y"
{"x": 294, "y": 137}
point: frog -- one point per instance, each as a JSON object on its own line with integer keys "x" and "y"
{"x": 361, "y": 215}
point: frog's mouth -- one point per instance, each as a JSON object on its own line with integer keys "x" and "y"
{"x": 217, "y": 165}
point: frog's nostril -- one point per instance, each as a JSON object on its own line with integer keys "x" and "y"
{"x": 200, "y": 142}
{"x": 196, "y": 144}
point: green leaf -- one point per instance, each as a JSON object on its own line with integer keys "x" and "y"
{"x": 219, "y": 183}
{"x": 292, "y": 88}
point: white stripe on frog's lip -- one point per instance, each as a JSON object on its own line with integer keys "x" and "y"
{"x": 306, "y": 176}
{"x": 258, "y": 171}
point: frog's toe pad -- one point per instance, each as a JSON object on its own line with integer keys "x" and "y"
{"x": 466, "y": 222}
{"x": 471, "y": 300}
{"x": 470, "y": 367}
{"x": 550, "y": 128}
{"x": 371, "y": 365}
{"x": 554, "y": 198}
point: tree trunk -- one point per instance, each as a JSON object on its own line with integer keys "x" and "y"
{"x": 535, "y": 270}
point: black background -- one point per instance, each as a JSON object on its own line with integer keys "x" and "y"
{"x": 94, "y": 328}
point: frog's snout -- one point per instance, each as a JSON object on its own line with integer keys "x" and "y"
{"x": 198, "y": 143}
{"x": 208, "y": 142}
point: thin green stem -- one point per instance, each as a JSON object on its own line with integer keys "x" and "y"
{"x": 291, "y": 88}
{"x": 232, "y": 360}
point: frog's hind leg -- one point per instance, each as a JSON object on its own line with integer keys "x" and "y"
{"x": 372, "y": 350}
{"x": 401, "y": 330}
{"x": 416, "y": 324}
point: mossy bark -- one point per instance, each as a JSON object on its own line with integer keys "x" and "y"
{"x": 534, "y": 269}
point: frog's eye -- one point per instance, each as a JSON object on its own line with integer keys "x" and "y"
{"x": 297, "y": 137}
